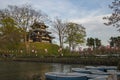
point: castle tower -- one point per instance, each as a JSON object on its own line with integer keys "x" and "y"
{"x": 39, "y": 33}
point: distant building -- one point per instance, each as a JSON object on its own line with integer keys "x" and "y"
{"x": 39, "y": 33}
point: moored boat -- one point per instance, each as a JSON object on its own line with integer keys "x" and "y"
{"x": 89, "y": 71}
{"x": 65, "y": 76}
{"x": 100, "y": 78}
{"x": 102, "y": 68}
{"x": 81, "y": 70}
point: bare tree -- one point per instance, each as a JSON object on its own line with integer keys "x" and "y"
{"x": 114, "y": 19}
{"x": 59, "y": 29}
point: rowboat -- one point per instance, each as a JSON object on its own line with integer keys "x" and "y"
{"x": 102, "y": 68}
{"x": 65, "y": 76}
{"x": 89, "y": 71}
{"x": 100, "y": 78}
{"x": 81, "y": 70}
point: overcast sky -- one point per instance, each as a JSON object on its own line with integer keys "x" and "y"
{"x": 89, "y": 13}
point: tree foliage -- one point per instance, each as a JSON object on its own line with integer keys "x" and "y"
{"x": 90, "y": 42}
{"x": 10, "y": 35}
{"x": 115, "y": 41}
{"x": 97, "y": 42}
{"x": 114, "y": 19}
{"x": 93, "y": 42}
{"x": 75, "y": 34}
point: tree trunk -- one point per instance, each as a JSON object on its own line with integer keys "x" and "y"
{"x": 60, "y": 39}
{"x": 26, "y": 43}
{"x": 69, "y": 46}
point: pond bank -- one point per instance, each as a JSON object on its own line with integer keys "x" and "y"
{"x": 84, "y": 61}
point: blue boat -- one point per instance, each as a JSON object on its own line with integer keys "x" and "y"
{"x": 99, "y": 72}
{"x": 81, "y": 70}
{"x": 100, "y": 78}
{"x": 94, "y": 76}
{"x": 102, "y": 68}
{"x": 90, "y": 71}
{"x": 114, "y": 73}
{"x": 65, "y": 76}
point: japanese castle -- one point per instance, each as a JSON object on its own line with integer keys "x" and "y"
{"x": 39, "y": 33}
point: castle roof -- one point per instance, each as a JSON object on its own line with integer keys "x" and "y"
{"x": 38, "y": 25}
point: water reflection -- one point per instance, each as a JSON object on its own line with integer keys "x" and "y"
{"x": 29, "y": 70}
{"x": 60, "y": 68}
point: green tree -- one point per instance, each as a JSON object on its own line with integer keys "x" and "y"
{"x": 118, "y": 41}
{"x": 97, "y": 42}
{"x": 112, "y": 42}
{"x": 75, "y": 34}
{"x": 115, "y": 41}
{"x": 90, "y": 42}
{"x": 93, "y": 42}
{"x": 10, "y": 35}
{"x": 114, "y": 19}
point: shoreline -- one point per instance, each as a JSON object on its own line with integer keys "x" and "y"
{"x": 83, "y": 61}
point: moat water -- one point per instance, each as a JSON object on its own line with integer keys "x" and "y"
{"x": 29, "y": 70}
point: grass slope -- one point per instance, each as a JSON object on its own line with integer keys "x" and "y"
{"x": 41, "y": 46}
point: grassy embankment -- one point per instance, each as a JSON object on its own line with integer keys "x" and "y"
{"x": 37, "y": 53}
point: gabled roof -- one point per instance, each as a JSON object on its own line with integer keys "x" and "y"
{"x": 38, "y": 25}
